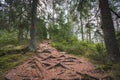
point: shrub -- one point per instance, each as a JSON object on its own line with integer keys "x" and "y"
{"x": 87, "y": 49}
{"x": 8, "y": 37}
{"x": 73, "y": 46}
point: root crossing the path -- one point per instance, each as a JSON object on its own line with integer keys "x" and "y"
{"x": 50, "y": 64}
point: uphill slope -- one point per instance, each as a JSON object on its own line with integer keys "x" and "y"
{"x": 50, "y": 64}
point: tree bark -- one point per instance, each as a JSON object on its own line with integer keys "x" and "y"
{"x": 33, "y": 42}
{"x": 109, "y": 31}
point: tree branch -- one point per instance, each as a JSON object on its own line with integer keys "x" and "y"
{"x": 118, "y": 16}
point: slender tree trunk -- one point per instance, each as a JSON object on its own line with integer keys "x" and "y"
{"x": 82, "y": 32}
{"x": 117, "y": 24}
{"x": 109, "y": 31}
{"x": 53, "y": 13}
{"x": 20, "y": 34}
{"x": 33, "y": 43}
{"x": 89, "y": 33}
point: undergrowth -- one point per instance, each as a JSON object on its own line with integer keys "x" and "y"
{"x": 95, "y": 52}
{"x": 8, "y": 37}
{"x": 8, "y": 62}
{"x": 91, "y": 50}
{"x": 9, "y": 43}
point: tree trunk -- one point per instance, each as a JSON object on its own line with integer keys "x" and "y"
{"x": 89, "y": 34}
{"x": 117, "y": 25}
{"x": 20, "y": 33}
{"x": 82, "y": 32}
{"x": 33, "y": 43}
{"x": 53, "y": 3}
{"x": 109, "y": 31}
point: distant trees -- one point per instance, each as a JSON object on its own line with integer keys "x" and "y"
{"x": 62, "y": 20}
{"x": 16, "y": 17}
{"x": 107, "y": 24}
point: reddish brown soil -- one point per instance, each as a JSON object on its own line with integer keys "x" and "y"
{"x": 49, "y": 64}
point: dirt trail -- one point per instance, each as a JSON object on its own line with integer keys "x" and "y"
{"x": 49, "y": 64}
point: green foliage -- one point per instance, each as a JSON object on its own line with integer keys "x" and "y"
{"x": 8, "y": 37}
{"x": 6, "y": 61}
{"x": 41, "y": 29}
{"x": 73, "y": 46}
{"x": 90, "y": 50}
{"x": 99, "y": 53}
{"x": 116, "y": 71}
{"x": 94, "y": 51}
{"x": 10, "y": 61}
{"x": 9, "y": 46}
{"x": 60, "y": 32}
{"x": 105, "y": 67}
{"x": 73, "y": 40}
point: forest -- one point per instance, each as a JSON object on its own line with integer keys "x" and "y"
{"x": 59, "y": 39}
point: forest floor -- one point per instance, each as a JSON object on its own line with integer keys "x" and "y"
{"x": 50, "y": 64}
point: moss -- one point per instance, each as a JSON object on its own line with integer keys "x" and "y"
{"x": 8, "y": 62}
